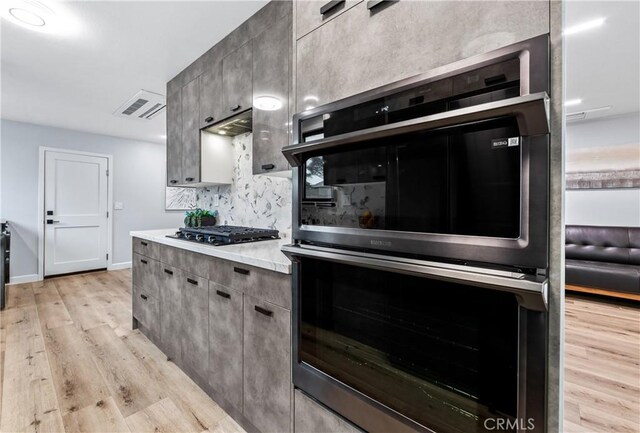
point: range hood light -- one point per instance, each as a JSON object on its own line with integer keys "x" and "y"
{"x": 267, "y": 103}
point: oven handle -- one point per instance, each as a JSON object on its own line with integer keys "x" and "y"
{"x": 530, "y": 111}
{"x": 530, "y": 293}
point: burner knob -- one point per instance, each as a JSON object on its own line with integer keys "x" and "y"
{"x": 178, "y": 234}
{"x": 211, "y": 239}
{"x": 187, "y": 235}
{"x": 200, "y": 238}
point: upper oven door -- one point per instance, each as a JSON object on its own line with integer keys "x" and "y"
{"x": 453, "y": 166}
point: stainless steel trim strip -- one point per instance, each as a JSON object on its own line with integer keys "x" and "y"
{"x": 530, "y": 111}
{"x": 530, "y": 292}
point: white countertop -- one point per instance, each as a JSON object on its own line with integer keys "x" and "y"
{"x": 263, "y": 254}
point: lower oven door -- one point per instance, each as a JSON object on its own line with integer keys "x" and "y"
{"x": 399, "y": 346}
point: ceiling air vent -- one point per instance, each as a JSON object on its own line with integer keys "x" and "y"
{"x": 143, "y": 105}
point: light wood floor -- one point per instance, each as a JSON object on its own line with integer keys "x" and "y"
{"x": 70, "y": 362}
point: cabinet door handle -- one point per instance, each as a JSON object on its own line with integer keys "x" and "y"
{"x": 144, "y": 261}
{"x": 223, "y": 294}
{"x": 236, "y": 108}
{"x": 144, "y": 297}
{"x": 330, "y": 6}
{"x": 189, "y": 179}
{"x": 241, "y": 271}
{"x": 192, "y": 281}
{"x": 372, "y": 4}
{"x": 143, "y": 243}
{"x": 263, "y": 311}
{"x": 167, "y": 271}
{"x": 173, "y": 181}
{"x": 268, "y": 166}
{"x": 209, "y": 119}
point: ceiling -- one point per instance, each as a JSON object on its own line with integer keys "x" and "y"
{"x": 603, "y": 64}
{"x": 109, "y": 50}
{"x": 78, "y": 78}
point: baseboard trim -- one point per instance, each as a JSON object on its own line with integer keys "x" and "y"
{"x": 21, "y": 279}
{"x": 603, "y": 292}
{"x": 118, "y": 266}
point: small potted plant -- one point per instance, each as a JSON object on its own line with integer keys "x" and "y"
{"x": 200, "y": 218}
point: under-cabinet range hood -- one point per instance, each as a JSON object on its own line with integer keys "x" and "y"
{"x": 239, "y": 124}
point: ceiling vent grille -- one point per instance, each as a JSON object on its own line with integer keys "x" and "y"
{"x": 143, "y": 105}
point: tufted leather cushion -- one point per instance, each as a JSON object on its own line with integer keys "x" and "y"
{"x": 600, "y": 244}
{"x": 608, "y": 276}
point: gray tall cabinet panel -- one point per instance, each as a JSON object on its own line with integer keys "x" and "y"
{"x": 191, "y": 132}
{"x": 195, "y": 325}
{"x": 271, "y": 76}
{"x": 237, "y": 80}
{"x": 171, "y": 311}
{"x": 174, "y": 138}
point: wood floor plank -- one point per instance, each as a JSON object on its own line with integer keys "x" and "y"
{"x": 29, "y": 400}
{"x": 184, "y": 392}
{"x": 101, "y": 417}
{"x": 73, "y": 369}
{"x": 129, "y": 383}
{"x": 161, "y": 417}
{"x": 19, "y": 295}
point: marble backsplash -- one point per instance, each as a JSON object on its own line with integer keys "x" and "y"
{"x": 251, "y": 200}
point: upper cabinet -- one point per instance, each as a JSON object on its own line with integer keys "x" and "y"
{"x": 271, "y": 79}
{"x": 312, "y": 14}
{"x": 211, "y": 108}
{"x": 237, "y": 80}
{"x": 191, "y": 133}
{"x": 364, "y": 48}
{"x": 174, "y": 138}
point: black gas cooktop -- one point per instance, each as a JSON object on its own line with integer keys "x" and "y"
{"x": 224, "y": 235}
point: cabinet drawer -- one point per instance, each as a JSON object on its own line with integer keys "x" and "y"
{"x": 145, "y": 273}
{"x": 267, "y": 366}
{"x": 146, "y": 310}
{"x": 146, "y": 248}
{"x": 309, "y": 14}
{"x": 225, "y": 342}
{"x": 270, "y": 286}
{"x": 189, "y": 262}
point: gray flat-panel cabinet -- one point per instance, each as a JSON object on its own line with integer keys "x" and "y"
{"x": 237, "y": 81}
{"x": 211, "y": 108}
{"x": 191, "y": 132}
{"x": 174, "y": 138}
{"x": 312, "y": 14}
{"x": 225, "y": 342}
{"x": 170, "y": 280}
{"x": 267, "y": 366}
{"x": 195, "y": 325}
{"x": 403, "y": 39}
{"x": 271, "y": 75}
{"x": 312, "y": 417}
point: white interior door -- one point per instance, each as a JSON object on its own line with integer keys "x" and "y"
{"x": 75, "y": 213}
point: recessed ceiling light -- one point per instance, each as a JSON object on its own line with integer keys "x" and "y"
{"x": 222, "y": 132}
{"x": 572, "y": 102}
{"x": 27, "y": 17}
{"x": 38, "y": 16}
{"x": 587, "y": 25}
{"x": 267, "y": 103}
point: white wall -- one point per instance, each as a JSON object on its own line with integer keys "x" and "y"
{"x": 603, "y": 207}
{"x": 138, "y": 181}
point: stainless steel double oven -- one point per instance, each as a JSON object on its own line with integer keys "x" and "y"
{"x": 420, "y": 248}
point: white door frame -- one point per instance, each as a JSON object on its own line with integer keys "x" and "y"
{"x": 41, "y": 216}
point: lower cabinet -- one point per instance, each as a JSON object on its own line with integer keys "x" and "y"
{"x": 267, "y": 366}
{"x": 225, "y": 343}
{"x": 146, "y": 312}
{"x": 170, "y": 282}
{"x": 195, "y": 325}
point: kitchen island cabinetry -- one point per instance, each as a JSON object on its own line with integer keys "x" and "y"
{"x": 226, "y": 324}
